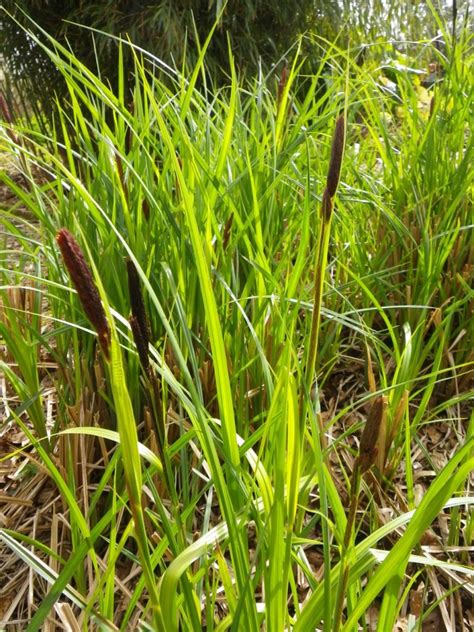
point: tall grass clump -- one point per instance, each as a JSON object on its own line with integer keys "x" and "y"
{"x": 254, "y": 301}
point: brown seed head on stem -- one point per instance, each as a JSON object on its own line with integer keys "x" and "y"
{"x": 337, "y": 150}
{"x": 140, "y": 343}
{"x": 83, "y": 281}
{"x": 146, "y": 209}
{"x": 121, "y": 175}
{"x": 432, "y": 106}
{"x": 227, "y": 229}
{"x": 368, "y": 448}
{"x": 137, "y": 303}
{"x": 326, "y": 206}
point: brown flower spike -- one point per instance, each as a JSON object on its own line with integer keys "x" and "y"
{"x": 369, "y": 447}
{"x": 337, "y": 150}
{"x": 140, "y": 343}
{"x": 334, "y": 170}
{"x": 136, "y": 302}
{"x": 83, "y": 281}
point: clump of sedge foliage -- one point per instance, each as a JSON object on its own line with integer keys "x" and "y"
{"x": 206, "y": 452}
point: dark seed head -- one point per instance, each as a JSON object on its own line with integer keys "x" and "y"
{"x": 118, "y": 162}
{"x": 368, "y": 448}
{"x": 136, "y": 301}
{"x": 326, "y": 206}
{"x": 432, "y": 106}
{"x": 146, "y": 209}
{"x": 140, "y": 343}
{"x": 335, "y": 163}
{"x": 227, "y": 229}
{"x": 83, "y": 281}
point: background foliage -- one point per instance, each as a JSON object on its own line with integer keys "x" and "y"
{"x": 260, "y": 33}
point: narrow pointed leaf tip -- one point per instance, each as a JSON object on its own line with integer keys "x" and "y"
{"x": 83, "y": 281}
{"x": 337, "y": 150}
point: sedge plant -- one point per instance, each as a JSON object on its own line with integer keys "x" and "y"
{"x": 214, "y": 484}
